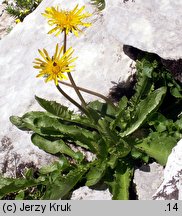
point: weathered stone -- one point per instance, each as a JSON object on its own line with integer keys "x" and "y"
{"x": 153, "y": 26}
{"x": 85, "y": 193}
{"x": 147, "y": 179}
{"x": 6, "y": 21}
{"x": 171, "y": 187}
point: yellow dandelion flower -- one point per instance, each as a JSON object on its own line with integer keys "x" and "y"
{"x": 68, "y": 21}
{"x": 17, "y": 21}
{"x": 54, "y": 68}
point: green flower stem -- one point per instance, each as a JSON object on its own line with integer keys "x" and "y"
{"x": 72, "y": 80}
{"x": 72, "y": 100}
{"x": 90, "y": 92}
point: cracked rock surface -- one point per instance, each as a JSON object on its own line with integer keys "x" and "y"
{"x": 6, "y": 21}
{"x": 171, "y": 187}
{"x": 147, "y": 179}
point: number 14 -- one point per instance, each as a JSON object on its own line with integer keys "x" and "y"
{"x": 172, "y": 207}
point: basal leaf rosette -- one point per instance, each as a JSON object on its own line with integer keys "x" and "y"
{"x": 64, "y": 20}
{"x": 55, "y": 67}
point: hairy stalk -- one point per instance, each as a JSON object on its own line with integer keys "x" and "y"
{"x": 71, "y": 78}
{"x": 71, "y": 100}
{"x": 90, "y": 92}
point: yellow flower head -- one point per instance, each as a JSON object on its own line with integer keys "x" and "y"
{"x": 68, "y": 21}
{"x": 54, "y": 68}
{"x": 17, "y": 21}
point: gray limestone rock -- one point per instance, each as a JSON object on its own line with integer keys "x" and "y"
{"x": 147, "y": 179}
{"x": 153, "y": 26}
{"x": 171, "y": 187}
{"x": 85, "y": 193}
{"x": 6, "y": 21}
